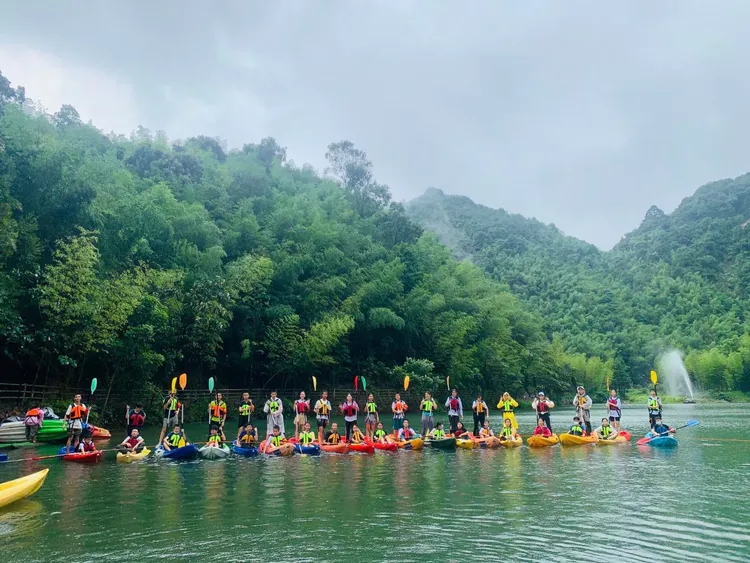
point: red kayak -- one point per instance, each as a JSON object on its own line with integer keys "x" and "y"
{"x": 384, "y": 447}
{"x": 86, "y": 457}
{"x": 361, "y": 447}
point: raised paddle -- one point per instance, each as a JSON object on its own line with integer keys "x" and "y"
{"x": 364, "y": 383}
{"x": 93, "y": 388}
{"x": 174, "y": 385}
{"x": 210, "y": 390}
{"x": 356, "y": 383}
{"x": 448, "y": 382}
{"x": 646, "y": 440}
{"x": 315, "y": 383}
{"x": 406, "y": 383}
{"x": 183, "y": 384}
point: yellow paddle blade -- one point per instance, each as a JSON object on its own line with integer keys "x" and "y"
{"x": 181, "y": 443}
{"x": 654, "y": 379}
{"x": 406, "y": 383}
{"x": 315, "y": 383}
{"x": 183, "y": 381}
{"x": 174, "y": 385}
{"x": 608, "y": 384}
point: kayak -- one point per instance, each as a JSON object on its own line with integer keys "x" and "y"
{"x": 573, "y": 440}
{"x": 52, "y": 431}
{"x": 12, "y": 432}
{"x": 385, "y": 447}
{"x": 64, "y": 450}
{"x": 85, "y": 457}
{"x": 3, "y": 457}
{"x": 14, "y": 490}
{"x": 131, "y": 457}
{"x": 213, "y": 452}
{"x": 98, "y": 433}
{"x": 284, "y": 449}
{"x": 465, "y": 443}
{"x": 442, "y": 444}
{"x": 661, "y": 441}
{"x": 512, "y": 442}
{"x": 413, "y": 444}
{"x": 247, "y": 451}
{"x": 361, "y": 447}
{"x": 490, "y": 442}
{"x": 612, "y": 442}
{"x": 625, "y": 434}
{"x": 185, "y": 452}
{"x": 311, "y": 449}
{"x": 335, "y": 448}
{"x": 541, "y": 441}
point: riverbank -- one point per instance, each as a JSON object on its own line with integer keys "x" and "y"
{"x": 636, "y": 396}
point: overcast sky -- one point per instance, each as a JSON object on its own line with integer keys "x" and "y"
{"x": 581, "y": 114}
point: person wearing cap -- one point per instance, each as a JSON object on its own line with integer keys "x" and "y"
{"x": 542, "y": 406}
{"x": 582, "y": 402}
{"x": 455, "y": 410}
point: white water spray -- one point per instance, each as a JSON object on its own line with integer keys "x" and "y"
{"x": 673, "y": 375}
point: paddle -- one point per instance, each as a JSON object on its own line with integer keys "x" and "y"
{"x": 406, "y": 383}
{"x": 210, "y": 390}
{"x": 174, "y": 385}
{"x": 183, "y": 384}
{"x": 448, "y": 382}
{"x": 356, "y": 383}
{"x": 93, "y": 388}
{"x": 654, "y": 380}
{"x": 315, "y": 383}
{"x": 646, "y": 440}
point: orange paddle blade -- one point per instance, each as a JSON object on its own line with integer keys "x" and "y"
{"x": 183, "y": 381}
{"x": 406, "y": 383}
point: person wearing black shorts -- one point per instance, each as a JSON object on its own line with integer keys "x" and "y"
{"x": 246, "y": 409}
{"x": 322, "y": 410}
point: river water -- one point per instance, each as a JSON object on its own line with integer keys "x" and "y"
{"x": 586, "y": 503}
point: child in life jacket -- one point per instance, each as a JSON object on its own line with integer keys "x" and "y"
{"x": 605, "y": 431}
{"x": 275, "y": 439}
{"x": 576, "y": 429}
{"x": 437, "y": 433}
{"x": 380, "y": 435}
{"x": 248, "y": 437}
{"x": 307, "y": 436}
{"x": 661, "y": 428}
{"x": 508, "y": 432}
{"x": 86, "y": 446}
{"x": 333, "y": 436}
{"x": 215, "y": 440}
{"x": 486, "y": 431}
{"x": 541, "y": 429}
{"x": 460, "y": 430}
{"x": 357, "y": 437}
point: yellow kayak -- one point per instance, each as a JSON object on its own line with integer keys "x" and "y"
{"x": 572, "y": 440}
{"x": 414, "y": 444}
{"x": 11, "y": 491}
{"x": 129, "y": 458}
{"x": 512, "y": 443}
{"x": 465, "y": 444}
{"x": 615, "y": 442}
{"x": 541, "y": 441}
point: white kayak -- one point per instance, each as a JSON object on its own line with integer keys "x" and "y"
{"x": 212, "y": 452}
{"x": 12, "y": 432}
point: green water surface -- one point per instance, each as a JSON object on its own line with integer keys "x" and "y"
{"x": 586, "y": 503}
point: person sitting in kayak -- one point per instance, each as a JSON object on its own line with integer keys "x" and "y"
{"x": 307, "y": 436}
{"x": 135, "y": 418}
{"x": 460, "y": 431}
{"x": 399, "y": 408}
{"x": 245, "y": 409}
{"x": 274, "y": 441}
{"x": 132, "y": 444}
{"x": 380, "y": 435}
{"x": 86, "y": 446}
{"x": 173, "y": 439}
{"x": 406, "y": 433}
{"x": 507, "y": 404}
{"x": 301, "y": 409}
{"x": 371, "y": 415}
{"x": 357, "y": 437}
{"x": 508, "y": 432}
{"x": 333, "y": 437}
{"x": 654, "y": 408}
{"x": 576, "y": 429}
{"x": 322, "y": 413}
{"x": 248, "y": 436}
{"x": 542, "y": 405}
{"x": 215, "y": 440}
{"x": 542, "y": 429}
{"x": 614, "y": 405}
{"x": 605, "y": 431}
{"x": 437, "y": 433}
{"x": 486, "y": 431}
{"x": 661, "y": 428}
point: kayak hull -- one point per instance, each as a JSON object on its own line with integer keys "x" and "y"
{"x": 415, "y": 444}
{"x": 17, "y": 489}
{"x": 311, "y": 449}
{"x": 212, "y": 452}
{"x": 512, "y": 442}
{"x": 490, "y": 442}
{"x": 52, "y": 431}
{"x": 541, "y": 441}
{"x": 131, "y": 457}
{"x": 442, "y": 444}
{"x": 250, "y": 451}
{"x": 572, "y": 440}
{"x": 98, "y": 433}
{"x": 385, "y": 447}
{"x": 335, "y": 448}
{"x": 661, "y": 441}
{"x": 361, "y": 448}
{"x": 617, "y": 441}
{"x": 465, "y": 444}
{"x": 86, "y": 457}
{"x": 189, "y": 451}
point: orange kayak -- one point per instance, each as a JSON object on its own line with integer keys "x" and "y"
{"x": 335, "y": 448}
{"x": 541, "y": 441}
{"x": 573, "y": 440}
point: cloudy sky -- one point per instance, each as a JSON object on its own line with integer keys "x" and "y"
{"x": 581, "y": 114}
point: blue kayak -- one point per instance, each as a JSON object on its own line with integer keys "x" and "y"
{"x": 3, "y": 457}
{"x": 312, "y": 449}
{"x": 662, "y": 441}
{"x": 63, "y": 451}
{"x": 247, "y": 451}
{"x": 185, "y": 452}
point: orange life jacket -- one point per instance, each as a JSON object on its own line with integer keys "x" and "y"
{"x": 76, "y": 412}
{"x": 33, "y": 412}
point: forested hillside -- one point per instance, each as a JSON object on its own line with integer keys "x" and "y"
{"x": 679, "y": 280}
{"x": 133, "y": 259}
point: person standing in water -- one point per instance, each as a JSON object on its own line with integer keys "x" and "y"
{"x": 480, "y": 414}
{"x": 350, "y": 408}
{"x": 455, "y": 410}
{"x": 654, "y": 408}
{"x": 301, "y": 408}
{"x": 427, "y": 406}
{"x": 135, "y": 418}
{"x": 274, "y": 410}
{"x": 542, "y": 405}
{"x": 583, "y": 403}
{"x": 217, "y": 412}
{"x": 615, "y": 410}
{"x": 371, "y": 416}
{"x": 171, "y": 411}
{"x": 399, "y": 408}
{"x": 322, "y": 414}
{"x": 507, "y": 404}
{"x": 245, "y": 410}
{"x": 74, "y": 417}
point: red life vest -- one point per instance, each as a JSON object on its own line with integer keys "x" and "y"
{"x": 302, "y": 406}
{"x": 453, "y": 404}
{"x": 132, "y": 442}
{"x": 349, "y": 410}
{"x": 88, "y": 447}
{"x": 137, "y": 419}
{"x": 542, "y": 407}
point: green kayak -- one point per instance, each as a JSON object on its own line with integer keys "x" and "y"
{"x": 442, "y": 444}
{"x": 52, "y": 431}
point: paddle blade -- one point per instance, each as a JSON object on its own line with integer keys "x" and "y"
{"x": 174, "y": 385}
{"x": 654, "y": 379}
{"x": 364, "y": 383}
{"x": 356, "y": 383}
{"x": 694, "y": 422}
{"x": 93, "y": 385}
{"x": 210, "y": 384}
{"x": 183, "y": 381}
{"x": 608, "y": 384}
{"x": 406, "y": 383}
{"x": 315, "y": 383}
{"x": 643, "y": 440}
{"x": 448, "y": 382}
